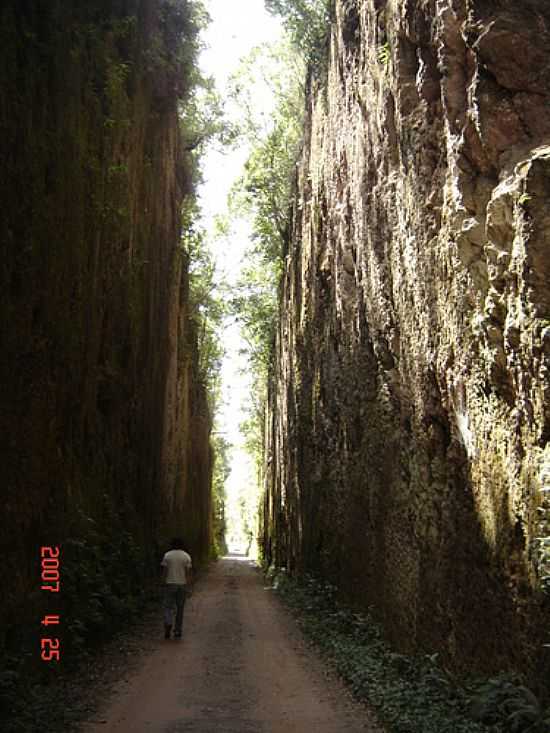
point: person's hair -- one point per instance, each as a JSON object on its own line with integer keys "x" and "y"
{"x": 178, "y": 543}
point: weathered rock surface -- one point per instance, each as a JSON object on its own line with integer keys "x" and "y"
{"x": 408, "y": 425}
{"x": 105, "y": 427}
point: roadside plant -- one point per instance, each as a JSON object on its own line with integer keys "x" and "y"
{"x": 503, "y": 701}
{"x": 410, "y": 694}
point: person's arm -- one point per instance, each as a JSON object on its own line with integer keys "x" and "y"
{"x": 163, "y": 570}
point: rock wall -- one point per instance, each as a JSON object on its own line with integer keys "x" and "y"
{"x": 104, "y": 422}
{"x": 408, "y": 422}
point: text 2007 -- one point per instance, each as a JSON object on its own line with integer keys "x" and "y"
{"x": 50, "y": 568}
{"x": 50, "y": 647}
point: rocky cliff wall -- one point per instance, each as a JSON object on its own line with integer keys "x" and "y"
{"x": 104, "y": 423}
{"x": 408, "y": 424}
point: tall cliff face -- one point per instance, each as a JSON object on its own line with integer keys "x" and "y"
{"x": 105, "y": 425}
{"x": 408, "y": 423}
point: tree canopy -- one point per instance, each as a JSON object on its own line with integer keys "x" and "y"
{"x": 263, "y": 194}
{"x": 308, "y": 24}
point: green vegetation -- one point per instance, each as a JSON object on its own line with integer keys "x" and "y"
{"x": 221, "y": 448}
{"x": 384, "y": 54}
{"x": 207, "y": 311}
{"x": 107, "y": 583}
{"x": 203, "y": 118}
{"x": 206, "y": 303}
{"x": 263, "y": 196}
{"x": 411, "y": 695}
{"x": 308, "y": 23}
{"x": 264, "y": 192}
{"x": 91, "y": 94}
{"x": 542, "y": 542}
{"x": 203, "y": 122}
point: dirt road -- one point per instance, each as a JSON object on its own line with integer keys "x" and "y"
{"x": 241, "y": 667}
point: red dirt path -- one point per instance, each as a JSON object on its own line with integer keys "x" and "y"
{"x": 241, "y": 667}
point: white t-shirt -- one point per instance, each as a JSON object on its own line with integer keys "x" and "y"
{"x": 177, "y": 563}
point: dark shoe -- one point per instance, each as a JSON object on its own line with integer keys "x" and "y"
{"x": 167, "y": 631}
{"x": 177, "y": 635}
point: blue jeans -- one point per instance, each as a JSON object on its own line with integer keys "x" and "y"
{"x": 174, "y": 598}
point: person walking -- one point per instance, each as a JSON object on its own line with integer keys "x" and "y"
{"x": 176, "y": 568}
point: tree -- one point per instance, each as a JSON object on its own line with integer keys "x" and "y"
{"x": 264, "y": 192}
{"x": 220, "y": 475}
{"x": 308, "y": 23}
{"x": 203, "y": 117}
{"x": 263, "y": 195}
{"x": 206, "y": 298}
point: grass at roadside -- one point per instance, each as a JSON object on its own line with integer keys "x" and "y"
{"x": 55, "y": 698}
{"x": 410, "y": 695}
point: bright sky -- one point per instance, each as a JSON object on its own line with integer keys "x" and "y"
{"x": 237, "y": 26}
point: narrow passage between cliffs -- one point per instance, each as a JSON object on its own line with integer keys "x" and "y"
{"x": 241, "y": 667}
